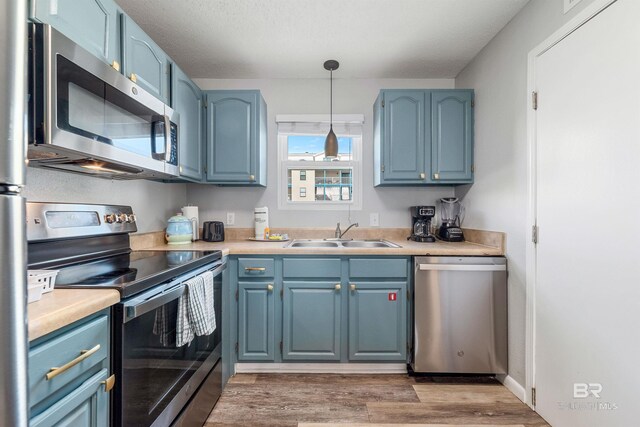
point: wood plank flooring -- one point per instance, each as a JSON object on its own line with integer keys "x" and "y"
{"x": 322, "y": 400}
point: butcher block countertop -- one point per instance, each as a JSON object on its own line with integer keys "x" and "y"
{"x": 62, "y": 307}
{"x": 479, "y": 243}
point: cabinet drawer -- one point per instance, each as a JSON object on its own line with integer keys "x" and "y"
{"x": 378, "y": 268}
{"x": 86, "y": 344}
{"x": 311, "y": 268}
{"x": 255, "y": 267}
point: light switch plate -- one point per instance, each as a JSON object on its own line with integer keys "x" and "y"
{"x": 374, "y": 220}
{"x": 231, "y": 218}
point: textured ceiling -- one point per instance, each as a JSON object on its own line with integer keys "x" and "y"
{"x": 292, "y": 38}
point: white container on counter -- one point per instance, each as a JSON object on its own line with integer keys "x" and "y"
{"x": 261, "y": 222}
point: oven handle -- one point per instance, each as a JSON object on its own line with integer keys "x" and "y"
{"x": 162, "y": 298}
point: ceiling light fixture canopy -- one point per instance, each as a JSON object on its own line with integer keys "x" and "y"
{"x": 331, "y": 143}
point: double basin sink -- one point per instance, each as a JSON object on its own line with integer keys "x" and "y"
{"x": 339, "y": 244}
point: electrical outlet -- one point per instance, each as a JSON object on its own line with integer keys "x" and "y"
{"x": 374, "y": 220}
{"x": 231, "y": 218}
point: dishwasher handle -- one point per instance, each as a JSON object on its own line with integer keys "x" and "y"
{"x": 461, "y": 267}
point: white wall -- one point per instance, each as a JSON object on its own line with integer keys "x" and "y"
{"x": 311, "y": 96}
{"x": 152, "y": 202}
{"x": 498, "y": 198}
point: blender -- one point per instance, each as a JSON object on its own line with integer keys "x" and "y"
{"x": 451, "y": 215}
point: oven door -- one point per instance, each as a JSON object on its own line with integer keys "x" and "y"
{"x": 155, "y": 378}
{"x": 89, "y": 110}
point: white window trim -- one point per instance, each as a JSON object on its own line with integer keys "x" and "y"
{"x": 355, "y": 164}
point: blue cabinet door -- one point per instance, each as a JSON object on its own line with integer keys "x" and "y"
{"x": 404, "y": 159}
{"x": 188, "y": 102}
{"x": 378, "y": 320}
{"x": 311, "y": 320}
{"x": 144, "y": 61}
{"x": 256, "y": 321}
{"x": 452, "y": 136}
{"x": 236, "y": 137}
{"x": 93, "y": 24}
{"x": 86, "y": 406}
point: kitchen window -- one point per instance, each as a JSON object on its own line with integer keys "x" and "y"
{"x": 308, "y": 180}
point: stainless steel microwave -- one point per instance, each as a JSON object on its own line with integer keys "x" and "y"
{"x": 86, "y": 117}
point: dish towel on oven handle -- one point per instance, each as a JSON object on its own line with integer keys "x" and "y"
{"x": 196, "y": 313}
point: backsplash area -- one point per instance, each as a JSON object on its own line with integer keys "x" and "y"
{"x": 152, "y": 202}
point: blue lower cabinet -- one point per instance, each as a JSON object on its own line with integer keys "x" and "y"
{"x": 68, "y": 372}
{"x": 256, "y": 321}
{"x": 87, "y": 405}
{"x": 378, "y": 321}
{"x": 311, "y": 321}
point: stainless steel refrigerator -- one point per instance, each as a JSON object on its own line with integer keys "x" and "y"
{"x": 14, "y": 409}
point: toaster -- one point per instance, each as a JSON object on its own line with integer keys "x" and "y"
{"x": 213, "y": 231}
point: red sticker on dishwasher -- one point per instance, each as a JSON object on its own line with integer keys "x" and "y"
{"x": 393, "y": 296}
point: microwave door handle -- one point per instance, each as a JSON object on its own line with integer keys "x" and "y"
{"x": 157, "y": 155}
{"x": 167, "y": 138}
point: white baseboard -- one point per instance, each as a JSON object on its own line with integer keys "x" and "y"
{"x": 321, "y": 368}
{"x": 513, "y": 386}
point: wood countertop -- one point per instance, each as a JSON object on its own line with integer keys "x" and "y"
{"x": 62, "y": 307}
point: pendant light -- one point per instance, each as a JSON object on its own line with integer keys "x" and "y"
{"x": 331, "y": 143}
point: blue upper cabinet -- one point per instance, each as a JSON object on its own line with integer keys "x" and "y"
{"x": 423, "y": 137}
{"x": 403, "y": 132}
{"x": 311, "y": 320}
{"x": 188, "y": 101}
{"x": 93, "y": 24}
{"x": 452, "y": 136}
{"x": 144, "y": 62}
{"x": 236, "y": 138}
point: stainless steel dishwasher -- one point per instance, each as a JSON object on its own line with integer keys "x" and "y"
{"x": 460, "y": 315}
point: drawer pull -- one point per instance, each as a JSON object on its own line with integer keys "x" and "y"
{"x": 270, "y": 287}
{"x": 255, "y": 269}
{"x": 338, "y": 286}
{"x": 352, "y": 286}
{"x": 109, "y": 383}
{"x": 55, "y": 371}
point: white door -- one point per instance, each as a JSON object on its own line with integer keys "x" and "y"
{"x": 587, "y": 291}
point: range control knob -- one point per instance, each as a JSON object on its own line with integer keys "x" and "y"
{"x": 131, "y": 218}
{"x": 110, "y": 218}
{"x": 120, "y": 218}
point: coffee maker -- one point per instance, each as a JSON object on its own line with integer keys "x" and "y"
{"x": 421, "y": 223}
{"x": 451, "y": 215}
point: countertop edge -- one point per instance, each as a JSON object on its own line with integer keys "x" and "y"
{"x": 62, "y": 307}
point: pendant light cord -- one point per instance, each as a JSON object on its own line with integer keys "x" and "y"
{"x": 331, "y": 101}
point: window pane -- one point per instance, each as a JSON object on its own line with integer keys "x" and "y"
{"x": 333, "y": 185}
{"x": 311, "y": 148}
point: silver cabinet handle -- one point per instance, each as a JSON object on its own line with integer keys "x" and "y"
{"x": 436, "y": 176}
{"x": 338, "y": 286}
{"x": 252, "y": 177}
{"x": 133, "y": 77}
{"x": 255, "y": 269}
{"x": 270, "y": 287}
{"x": 352, "y": 286}
{"x": 422, "y": 175}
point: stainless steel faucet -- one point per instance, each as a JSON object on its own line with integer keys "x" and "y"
{"x": 338, "y": 234}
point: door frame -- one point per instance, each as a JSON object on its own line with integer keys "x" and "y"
{"x": 531, "y": 260}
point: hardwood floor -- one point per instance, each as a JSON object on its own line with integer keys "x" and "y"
{"x": 319, "y": 400}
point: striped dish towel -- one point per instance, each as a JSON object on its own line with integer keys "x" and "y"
{"x": 196, "y": 313}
